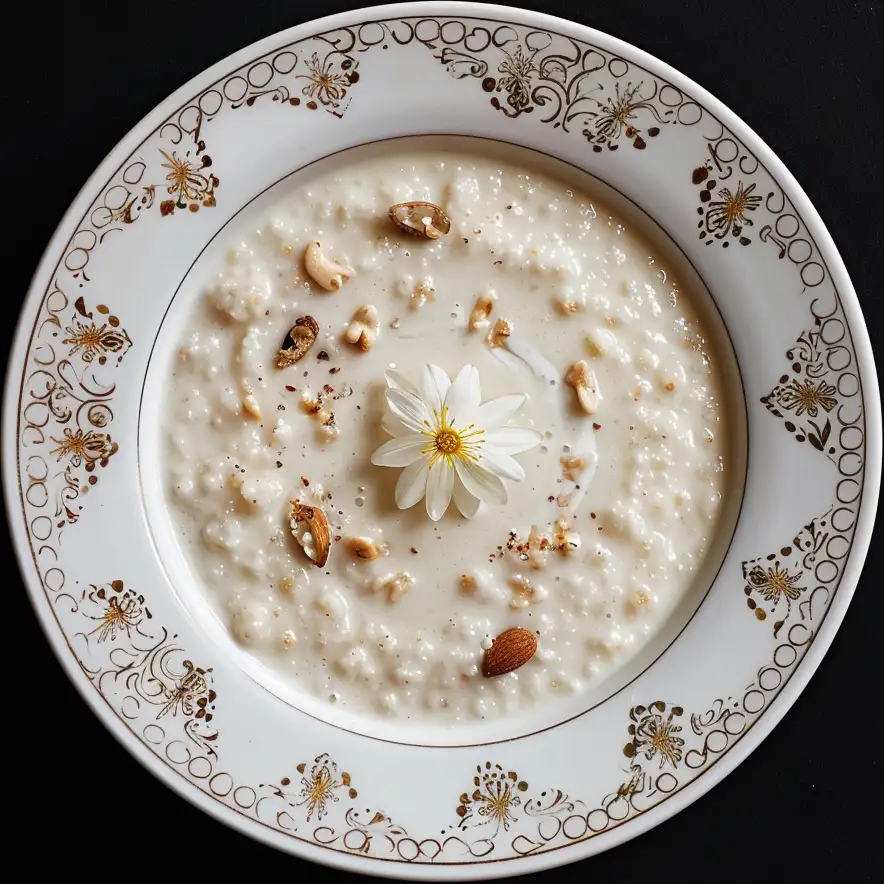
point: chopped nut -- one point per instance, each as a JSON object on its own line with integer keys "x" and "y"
{"x": 468, "y": 584}
{"x": 420, "y": 218}
{"x": 525, "y": 592}
{"x": 538, "y": 549}
{"x": 365, "y": 548}
{"x": 309, "y": 403}
{"x": 299, "y": 339}
{"x": 286, "y": 585}
{"x": 568, "y": 307}
{"x": 288, "y": 639}
{"x": 422, "y": 294}
{"x": 585, "y": 384}
{"x": 499, "y": 333}
{"x": 364, "y": 327}
{"x": 600, "y": 342}
{"x": 567, "y": 539}
{"x": 310, "y": 528}
{"x": 572, "y": 467}
{"x": 395, "y": 585}
{"x": 250, "y": 404}
{"x": 327, "y": 274}
{"x": 480, "y": 313}
{"x": 395, "y": 322}
{"x": 640, "y": 388}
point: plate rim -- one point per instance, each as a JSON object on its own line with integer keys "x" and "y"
{"x": 841, "y": 282}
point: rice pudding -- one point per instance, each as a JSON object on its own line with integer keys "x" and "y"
{"x": 610, "y": 445}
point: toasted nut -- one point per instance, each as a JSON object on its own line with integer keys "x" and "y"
{"x": 499, "y": 333}
{"x": 250, "y": 404}
{"x": 423, "y": 293}
{"x": 420, "y": 218}
{"x": 600, "y": 342}
{"x": 511, "y": 649}
{"x": 585, "y": 384}
{"x": 641, "y": 388}
{"x": 480, "y": 313}
{"x": 324, "y": 272}
{"x": 310, "y": 528}
{"x": 364, "y": 327}
{"x": 538, "y": 549}
{"x": 468, "y": 584}
{"x": 365, "y": 548}
{"x": 572, "y": 467}
{"x": 287, "y": 585}
{"x": 525, "y": 592}
{"x": 299, "y": 339}
{"x": 395, "y": 585}
{"x": 568, "y": 307}
{"x": 567, "y": 539}
{"x": 309, "y": 403}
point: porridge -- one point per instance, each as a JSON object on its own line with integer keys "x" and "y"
{"x": 450, "y": 459}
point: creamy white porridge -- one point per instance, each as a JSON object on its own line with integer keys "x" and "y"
{"x": 547, "y": 293}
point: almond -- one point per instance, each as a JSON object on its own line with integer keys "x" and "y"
{"x": 511, "y": 649}
{"x": 310, "y": 528}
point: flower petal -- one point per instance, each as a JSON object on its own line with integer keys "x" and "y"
{"x": 495, "y": 413}
{"x": 514, "y": 440}
{"x": 412, "y": 483}
{"x": 440, "y": 484}
{"x": 392, "y": 426}
{"x": 400, "y": 451}
{"x": 480, "y": 483}
{"x": 463, "y": 500}
{"x": 501, "y": 464}
{"x": 464, "y": 396}
{"x": 395, "y": 381}
{"x": 434, "y": 385}
{"x": 409, "y": 409}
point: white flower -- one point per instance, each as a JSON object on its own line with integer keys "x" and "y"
{"x": 450, "y": 443}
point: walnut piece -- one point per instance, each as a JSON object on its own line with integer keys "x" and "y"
{"x": 298, "y": 340}
{"x": 572, "y": 468}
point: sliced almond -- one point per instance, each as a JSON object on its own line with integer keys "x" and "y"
{"x": 310, "y": 528}
{"x": 511, "y": 649}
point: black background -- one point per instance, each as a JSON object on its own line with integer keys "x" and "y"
{"x": 807, "y": 77}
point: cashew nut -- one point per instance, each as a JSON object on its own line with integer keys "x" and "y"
{"x": 326, "y": 273}
{"x": 585, "y": 384}
{"x": 364, "y": 327}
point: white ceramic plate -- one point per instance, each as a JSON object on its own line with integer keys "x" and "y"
{"x": 175, "y": 694}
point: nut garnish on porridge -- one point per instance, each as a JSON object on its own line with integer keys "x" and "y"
{"x": 475, "y": 533}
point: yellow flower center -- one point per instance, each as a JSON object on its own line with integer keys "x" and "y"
{"x": 448, "y": 442}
